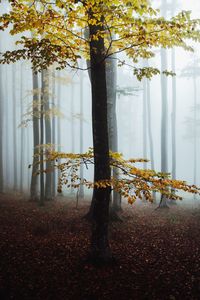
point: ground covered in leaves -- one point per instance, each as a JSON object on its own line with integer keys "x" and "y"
{"x": 42, "y": 251}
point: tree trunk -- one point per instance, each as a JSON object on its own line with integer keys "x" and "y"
{"x": 173, "y": 120}
{"x": 45, "y": 92}
{"x": 144, "y": 120}
{"x": 149, "y": 114}
{"x": 53, "y": 132}
{"x": 72, "y": 124}
{"x": 58, "y": 125}
{"x": 150, "y": 135}
{"x": 1, "y": 132}
{"x": 111, "y": 78}
{"x": 36, "y": 141}
{"x": 100, "y": 248}
{"x": 14, "y": 113}
{"x": 42, "y": 190}
{"x": 164, "y": 114}
{"x": 81, "y": 192}
{"x": 195, "y": 129}
{"x": 22, "y": 132}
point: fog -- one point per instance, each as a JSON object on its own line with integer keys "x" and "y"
{"x": 70, "y": 93}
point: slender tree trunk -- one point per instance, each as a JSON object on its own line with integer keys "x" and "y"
{"x": 111, "y": 79}
{"x": 53, "y": 132}
{"x": 72, "y": 119}
{"x": 144, "y": 120}
{"x": 45, "y": 92}
{"x": 59, "y": 124}
{"x": 42, "y": 190}
{"x": 150, "y": 134}
{"x": 72, "y": 124}
{"x": 100, "y": 248}
{"x": 173, "y": 118}
{"x": 81, "y": 192}
{"x": 164, "y": 114}
{"x": 164, "y": 122}
{"x": 149, "y": 114}
{"x": 7, "y": 106}
{"x": 14, "y": 113}
{"x": 195, "y": 130}
{"x": 36, "y": 138}
{"x": 1, "y": 132}
{"x": 22, "y": 132}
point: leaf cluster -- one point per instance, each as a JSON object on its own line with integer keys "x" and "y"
{"x": 57, "y": 31}
{"x": 132, "y": 182}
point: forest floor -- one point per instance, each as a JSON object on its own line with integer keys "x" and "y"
{"x": 42, "y": 251}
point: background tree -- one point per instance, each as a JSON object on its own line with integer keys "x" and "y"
{"x": 193, "y": 71}
{"x": 36, "y": 137}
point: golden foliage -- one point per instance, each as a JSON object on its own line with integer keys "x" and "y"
{"x": 58, "y": 27}
{"x": 132, "y": 182}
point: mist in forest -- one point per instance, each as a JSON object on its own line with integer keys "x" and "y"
{"x": 138, "y": 107}
{"x": 95, "y": 157}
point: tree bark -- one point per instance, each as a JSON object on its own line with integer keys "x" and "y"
{"x": 100, "y": 248}
{"x": 195, "y": 129}
{"x": 111, "y": 82}
{"x": 22, "y": 154}
{"x": 149, "y": 114}
{"x": 45, "y": 92}
{"x": 53, "y": 132}
{"x": 34, "y": 178}
{"x": 164, "y": 115}
{"x": 42, "y": 190}
{"x": 14, "y": 113}
{"x": 144, "y": 120}
{"x": 111, "y": 79}
{"x": 1, "y": 132}
{"x": 81, "y": 191}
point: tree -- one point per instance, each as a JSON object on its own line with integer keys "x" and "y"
{"x": 138, "y": 29}
{"x": 164, "y": 113}
{"x": 193, "y": 71}
{"x": 14, "y": 112}
{"x": 22, "y": 154}
{"x": 1, "y": 132}
{"x": 53, "y": 129}
{"x": 36, "y": 137}
{"x": 47, "y": 126}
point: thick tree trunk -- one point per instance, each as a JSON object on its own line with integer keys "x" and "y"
{"x": 111, "y": 78}
{"x": 100, "y": 248}
{"x": 34, "y": 178}
{"x": 1, "y": 133}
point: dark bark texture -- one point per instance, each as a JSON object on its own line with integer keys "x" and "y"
{"x": 99, "y": 242}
